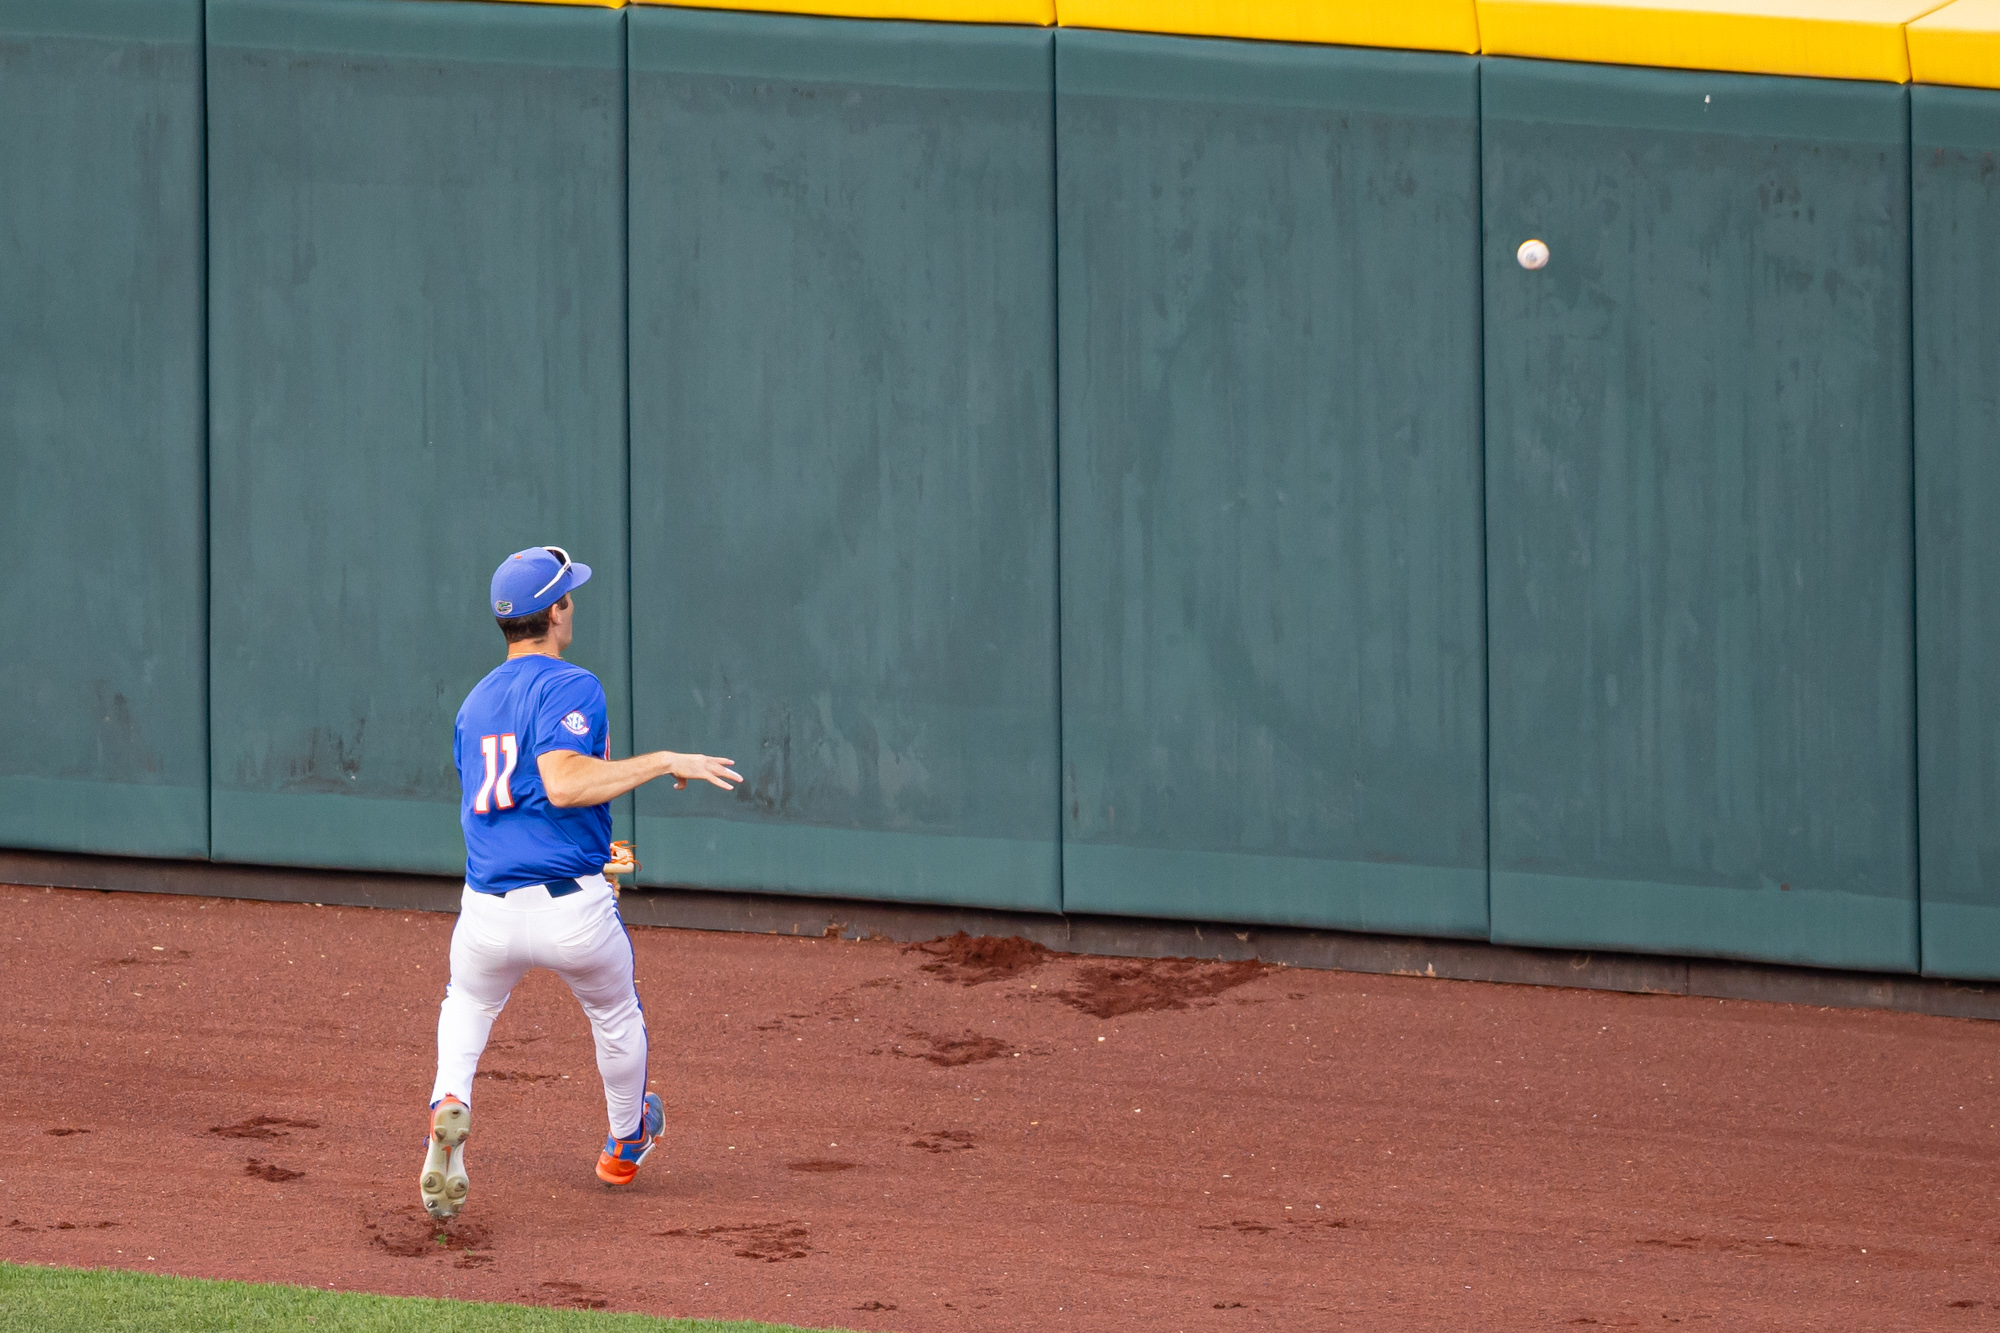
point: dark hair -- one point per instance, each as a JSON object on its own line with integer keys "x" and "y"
{"x": 534, "y": 625}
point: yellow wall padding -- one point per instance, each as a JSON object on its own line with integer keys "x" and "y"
{"x": 1419, "y": 25}
{"x": 1831, "y": 39}
{"x": 1958, "y": 44}
{"x": 1038, "y": 12}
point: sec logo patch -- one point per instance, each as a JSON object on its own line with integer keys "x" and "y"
{"x": 577, "y": 723}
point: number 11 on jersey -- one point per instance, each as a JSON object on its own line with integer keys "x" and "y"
{"x": 500, "y": 753}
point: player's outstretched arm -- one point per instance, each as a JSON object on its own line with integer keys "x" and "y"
{"x": 573, "y": 779}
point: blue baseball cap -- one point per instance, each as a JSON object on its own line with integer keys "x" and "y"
{"x": 528, "y": 581}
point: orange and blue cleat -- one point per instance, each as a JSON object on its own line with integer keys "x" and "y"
{"x": 619, "y": 1161}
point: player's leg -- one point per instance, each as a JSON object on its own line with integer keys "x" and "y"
{"x": 593, "y": 955}
{"x": 485, "y": 964}
{"x": 487, "y": 961}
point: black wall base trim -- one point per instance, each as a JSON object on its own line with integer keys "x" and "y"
{"x": 1118, "y": 937}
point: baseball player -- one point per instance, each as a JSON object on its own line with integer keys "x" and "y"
{"x": 537, "y": 777}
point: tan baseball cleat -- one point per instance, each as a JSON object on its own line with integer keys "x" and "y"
{"x": 444, "y": 1184}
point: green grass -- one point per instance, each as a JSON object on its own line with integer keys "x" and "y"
{"x": 106, "y": 1300}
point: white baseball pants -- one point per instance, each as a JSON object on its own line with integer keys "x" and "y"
{"x": 578, "y": 937}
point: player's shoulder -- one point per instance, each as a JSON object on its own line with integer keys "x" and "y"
{"x": 493, "y": 682}
{"x": 555, "y": 677}
{"x": 568, "y": 673}
{"x": 572, "y": 691}
{"x": 531, "y": 679}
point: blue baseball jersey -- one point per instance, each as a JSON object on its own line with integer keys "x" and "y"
{"x": 526, "y": 707}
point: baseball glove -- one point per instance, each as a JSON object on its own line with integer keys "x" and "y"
{"x": 622, "y": 862}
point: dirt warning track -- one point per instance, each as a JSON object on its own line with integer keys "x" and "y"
{"x": 983, "y": 1135}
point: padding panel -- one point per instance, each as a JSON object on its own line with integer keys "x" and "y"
{"x": 417, "y": 239}
{"x": 101, "y": 405}
{"x": 1956, "y": 210}
{"x": 1698, "y": 507}
{"x": 843, "y": 465}
{"x": 1272, "y": 586}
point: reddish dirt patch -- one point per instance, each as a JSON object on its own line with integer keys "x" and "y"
{"x": 1723, "y": 1244}
{"x": 142, "y": 960}
{"x": 271, "y": 1171}
{"x": 1244, "y": 1226}
{"x": 973, "y": 960}
{"x": 1150, "y": 985}
{"x": 820, "y": 1166}
{"x": 516, "y": 1076}
{"x": 1318, "y": 1224}
{"x": 63, "y": 1132}
{"x": 951, "y": 1052}
{"x": 768, "y": 1242}
{"x": 261, "y": 1127}
{"x": 565, "y": 1296}
{"x": 499, "y": 1044}
{"x": 411, "y": 1233}
{"x": 1426, "y": 1154}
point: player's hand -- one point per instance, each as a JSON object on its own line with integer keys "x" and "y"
{"x": 702, "y": 768}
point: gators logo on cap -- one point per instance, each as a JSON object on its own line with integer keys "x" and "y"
{"x": 502, "y": 608}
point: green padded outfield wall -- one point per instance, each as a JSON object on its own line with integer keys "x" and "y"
{"x": 1698, "y": 514}
{"x": 1955, "y": 201}
{"x": 101, "y": 430}
{"x": 843, "y": 453}
{"x": 418, "y": 366}
{"x": 1271, "y": 526}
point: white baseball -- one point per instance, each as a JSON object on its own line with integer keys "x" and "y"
{"x": 1532, "y": 254}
